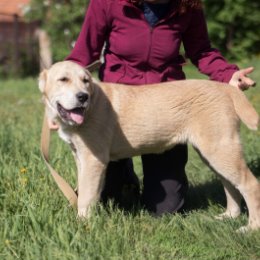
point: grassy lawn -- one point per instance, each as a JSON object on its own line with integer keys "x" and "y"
{"x": 37, "y": 223}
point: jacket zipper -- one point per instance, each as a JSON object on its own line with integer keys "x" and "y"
{"x": 149, "y": 51}
{"x": 151, "y": 33}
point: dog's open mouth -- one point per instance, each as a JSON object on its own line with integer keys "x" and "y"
{"x": 75, "y": 115}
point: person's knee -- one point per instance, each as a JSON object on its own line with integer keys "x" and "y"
{"x": 167, "y": 197}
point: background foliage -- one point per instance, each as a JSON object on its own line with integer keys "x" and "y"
{"x": 233, "y": 24}
{"x": 62, "y": 19}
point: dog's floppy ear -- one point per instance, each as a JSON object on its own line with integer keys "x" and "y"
{"x": 88, "y": 74}
{"x": 91, "y": 79}
{"x": 42, "y": 80}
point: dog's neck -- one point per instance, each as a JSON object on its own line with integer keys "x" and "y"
{"x": 65, "y": 133}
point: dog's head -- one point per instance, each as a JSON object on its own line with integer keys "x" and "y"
{"x": 67, "y": 88}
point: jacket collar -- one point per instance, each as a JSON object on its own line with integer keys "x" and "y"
{"x": 129, "y": 2}
{"x": 134, "y": 3}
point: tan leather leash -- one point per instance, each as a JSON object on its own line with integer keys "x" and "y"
{"x": 64, "y": 186}
{"x": 66, "y": 189}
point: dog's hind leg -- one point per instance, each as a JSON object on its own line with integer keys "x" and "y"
{"x": 226, "y": 158}
{"x": 233, "y": 198}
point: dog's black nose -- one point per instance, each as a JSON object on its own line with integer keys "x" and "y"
{"x": 82, "y": 97}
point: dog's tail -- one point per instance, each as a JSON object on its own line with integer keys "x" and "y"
{"x": 244, "y": 109}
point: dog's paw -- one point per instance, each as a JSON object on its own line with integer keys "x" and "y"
{"x": 83, "y": 213}
{"x": 244, "y": 229}
{"x": 228, "y": 214}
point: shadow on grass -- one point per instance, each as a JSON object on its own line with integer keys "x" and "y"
{"x": 200, "y": 196}
{"x": 255, "y": 167}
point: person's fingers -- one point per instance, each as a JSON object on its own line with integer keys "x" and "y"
{"x": 246, "y": 81}
{"x": 241, "y": 80}
{"x": 53, "y": 125}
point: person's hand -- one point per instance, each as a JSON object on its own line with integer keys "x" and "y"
{"x": 53, "y": 125}
{"x": 240, "y": 80}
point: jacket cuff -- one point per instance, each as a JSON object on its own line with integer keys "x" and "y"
{"x": 227, "y": 75}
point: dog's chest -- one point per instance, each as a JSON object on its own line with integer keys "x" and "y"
{"x": 65, "y": 135}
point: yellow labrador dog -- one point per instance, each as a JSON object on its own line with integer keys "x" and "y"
{"x": 105, "y": 122}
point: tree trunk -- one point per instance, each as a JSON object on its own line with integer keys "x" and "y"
{"x": 44, "y": 49}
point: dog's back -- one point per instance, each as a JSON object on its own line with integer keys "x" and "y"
{"x": 174, "y": 112}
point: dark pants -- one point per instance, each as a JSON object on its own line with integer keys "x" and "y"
{"x": 164, "y": 184}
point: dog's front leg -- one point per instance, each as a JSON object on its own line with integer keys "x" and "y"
{"x": 90, "y": 183}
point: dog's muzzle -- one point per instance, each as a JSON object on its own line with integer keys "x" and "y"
{"x": 75, "y": 115}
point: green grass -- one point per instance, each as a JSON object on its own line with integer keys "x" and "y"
{"x": 37, "y": 223}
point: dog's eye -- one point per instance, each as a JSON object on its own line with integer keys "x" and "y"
{"x": 64, "y": 79}
{"x": 85, "y": 80}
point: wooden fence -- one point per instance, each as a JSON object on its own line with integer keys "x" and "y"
{"x": 18, "y": 45}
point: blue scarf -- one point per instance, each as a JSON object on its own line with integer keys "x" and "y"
{"x": 154, "y": 12}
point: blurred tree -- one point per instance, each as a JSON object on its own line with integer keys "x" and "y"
{"x": 233, "y": 24}
{"x": 61, "y": 19}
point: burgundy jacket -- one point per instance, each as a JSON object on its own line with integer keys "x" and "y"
{"x": 137, "y": 53}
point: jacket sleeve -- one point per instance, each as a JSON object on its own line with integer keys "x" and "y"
{"x": 90, "y": 41}
{"x": 198, "y": 49}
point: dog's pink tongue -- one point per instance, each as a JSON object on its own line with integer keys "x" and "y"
{"x": 77, "y": 117}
